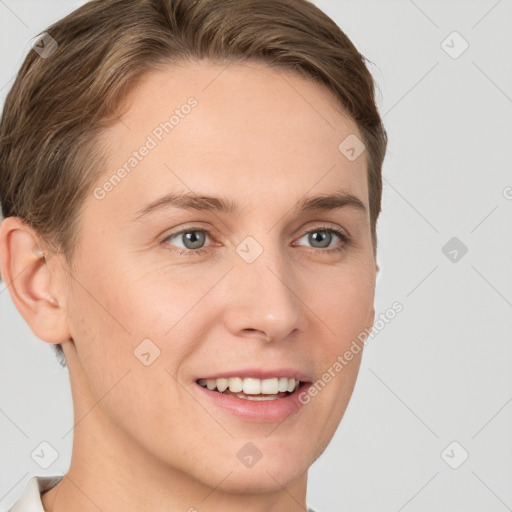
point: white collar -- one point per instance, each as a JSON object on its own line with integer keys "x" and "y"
{"x": 30, "y": 500}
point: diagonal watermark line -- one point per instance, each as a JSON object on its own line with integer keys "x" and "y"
{"x": 127, "y": 372}
{"x": 215, "y": 77}
{"x": 3, "y": 288}
{"x": 287, "y": 492}
{"x": 112, "y": 111}
{"x": 283, "y": 77}
{"x": 7, "y": 83}
{"x": 282, "y": 421}
{"x": 422, "y": 280}
{"x": 424, "y": 14}
{"x": 334, "y": 334}
{"x": 303, "y": 197}
{"x": 275, "y": 428}
{"x": 211, "y": 288}
{"x": 484, "y": 218}
{"x": 492, "y": 81}
{"x": 506, "y": 403}
{"x": 494, "y": 288}
{"x": 403, "y": 403}
{"x": 80, "y": 284}
{"x": 491, "y": 490}
{"x": 207, "y": 411}
{"x": 66, "y": 476}
{"x": 407, "y": 502}
{"x": 412, "y": 206}
{"x": 190, "y": 190}
{"x": 14, "y": 486}
{"x": 417, "y": 83}
{"x": 485, "y": 15}
{"x": 95, "y": 300}
{"x": 3, "y": 3}
{"x": 216, "y": 487}
{"x": 13, "y": 423}
{"x": 4, "y": 285}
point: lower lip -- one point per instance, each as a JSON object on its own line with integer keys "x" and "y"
{"x": 262, "y": 411}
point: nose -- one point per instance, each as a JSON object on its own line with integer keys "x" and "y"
{"x": 266, "y": 298}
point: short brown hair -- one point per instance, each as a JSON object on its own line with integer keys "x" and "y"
{"x": 57, "y": 107}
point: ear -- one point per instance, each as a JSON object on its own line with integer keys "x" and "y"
{"x": 34, "y": 289}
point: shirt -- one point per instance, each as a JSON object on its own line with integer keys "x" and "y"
{"x": 30, "y": 500}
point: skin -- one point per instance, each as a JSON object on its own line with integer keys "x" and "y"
{"x": 144, "y": 438}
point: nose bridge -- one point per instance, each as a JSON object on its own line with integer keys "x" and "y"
{"x": 265, "y": 291}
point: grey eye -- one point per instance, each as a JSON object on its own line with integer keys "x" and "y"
{"x": 322, "y": 237}
{"x": 191, "y": 238}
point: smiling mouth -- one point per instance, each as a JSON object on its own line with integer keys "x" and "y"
{"x": 249, "y": 388}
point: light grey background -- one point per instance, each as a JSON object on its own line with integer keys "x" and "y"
{"x": 440, "y": 371}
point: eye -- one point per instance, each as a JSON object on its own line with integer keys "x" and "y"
{"x": 193, "y": 238}
{"x": 323, "y": 236}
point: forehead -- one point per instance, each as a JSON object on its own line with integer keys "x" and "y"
{"x": 244, "y": 129}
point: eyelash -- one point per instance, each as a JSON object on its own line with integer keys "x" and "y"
{"x": 196, "y": 252}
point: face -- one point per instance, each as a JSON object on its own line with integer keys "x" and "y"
{"x": 166, "y": 296}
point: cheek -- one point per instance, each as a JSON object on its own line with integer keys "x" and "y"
{"x": 102, "y": 326}
{"x": 150, "y": 301}
{"x": 106, "y": 332}
{"x": 345, "y": 307}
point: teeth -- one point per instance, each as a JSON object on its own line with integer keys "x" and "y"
{"x": 283, "y": 384}
{"x": 270, "y": 386}
{"x": 252, "y": 386}
{"x": 257, "y": 398}
{"x": 235, "y": 385}
{"x": 222, "y": 384}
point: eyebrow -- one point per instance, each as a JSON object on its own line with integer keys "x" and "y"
{"x": 196, "y": 202}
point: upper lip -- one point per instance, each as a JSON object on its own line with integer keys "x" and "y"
{"x": 259, "y": 374}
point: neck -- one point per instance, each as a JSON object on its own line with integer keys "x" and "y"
{"x": 111, "y": 471}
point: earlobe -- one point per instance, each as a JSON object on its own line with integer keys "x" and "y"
{"x": 27, "y": 275}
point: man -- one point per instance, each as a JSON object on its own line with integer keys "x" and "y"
{"x": 190, "y": 192}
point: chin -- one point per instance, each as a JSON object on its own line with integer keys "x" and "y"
{"x": 258, "y": 480}
{"x": 276, "y": 468}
